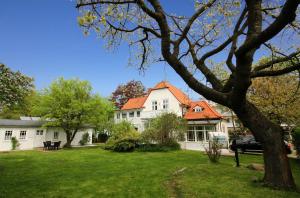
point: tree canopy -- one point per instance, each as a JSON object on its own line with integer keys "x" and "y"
{"x": 231, "y": 31}
{"x": 71, "y": 105}
{"x": 124, "y": 92}
{"x": 14, "y": 87}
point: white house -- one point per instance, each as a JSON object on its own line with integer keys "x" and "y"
{"x": 31, "y": 134}
{"x": 203, "y": 120}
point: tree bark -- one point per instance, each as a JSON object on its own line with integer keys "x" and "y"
{"x": 277, "y": 167}
{"x": 69, "y": 136}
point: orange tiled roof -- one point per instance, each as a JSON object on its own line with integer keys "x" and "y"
{"x": 134, "y": 103}
{"x": 181, "y": 97}
{"x": 207, "y": 112}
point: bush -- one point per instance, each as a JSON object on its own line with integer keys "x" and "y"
{"x": 125, "y": 145}
{"x": 124, "y": 138}
{"x": 296, "y": 140}
{"x": 213, "y": 150}
{"x": 171, "y": 146}
{"x": 14, "y": 143}
{"x": 166, "y": 128}
{"x": 84, "y": 139}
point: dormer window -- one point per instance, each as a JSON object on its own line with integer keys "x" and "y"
{"x": 198, "y": 109}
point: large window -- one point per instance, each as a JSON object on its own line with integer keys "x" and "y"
{"x": 191, "y": 136}
{"x": 199, "y": 133}
{"x": 165, "y": 104}
{"x": 138, "y": 114}
{"x": 124, "y": 115}
{"x": 154, "y": 105}
{"x": 131, "y": 114}
{"x": 22, "y": 135}
{"x": 118, "y": 115}
{"x": 55, "y": 135}
{"x": 8, "y": 135}
{"x": 39, "y": 132}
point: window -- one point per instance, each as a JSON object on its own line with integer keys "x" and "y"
{"x": 39, "y": 132}
{"x": 154, "y": 105}
{"x": 199, "y": 132}
{"x": 197, "y": 109}
{"x": 138, "y": 114}
{"x": 8, "y": 135}
{"x": 55, "y": 135}
{"x": 22, "y": 135}
{"x": 165, "y": 104}
{"x": 124, "y": 115}
{"x": 191, "y": 136}
{"x": 118, "y": 115}
{"x": 131, "y": 114}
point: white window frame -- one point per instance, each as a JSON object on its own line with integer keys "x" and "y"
{"x": 166, "y": 104}
{"x": 55, "y": 135}
{"x": 197, "y": 109}
{"x": 124, "y": 117}
{"x": 138, "y": 114}
{"x": 205, "y": 130}
{"x": 39, "y": 132}
{"x": 8, "y": 135}
{"x": 118, "y": 116}
{"x": 131, "y": 114}
{"x": 23, "y": 135}
{"x": 154, "y": 105}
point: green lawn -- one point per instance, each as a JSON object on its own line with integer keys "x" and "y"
{"x": 93, "y": 172}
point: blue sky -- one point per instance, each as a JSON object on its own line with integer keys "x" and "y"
{"x": 41, "y": 38}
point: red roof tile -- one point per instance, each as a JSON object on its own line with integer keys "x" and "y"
{"x": 207, "y": 112}
{"x": 179, "y": 95}
{"x": 134, "y": 103}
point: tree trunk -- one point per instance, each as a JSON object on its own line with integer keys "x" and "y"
{"x": 277, "y": 167}
{"x": 68, "y": 137}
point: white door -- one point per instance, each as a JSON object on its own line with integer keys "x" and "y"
{"x": 39, "y": 137}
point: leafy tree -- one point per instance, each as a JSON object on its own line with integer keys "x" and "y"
{"x": 23, "y": 108}
{"x": 14, "y": 87}
{"x": 231, "y": 31}
{"x": 278, "y": 98}
{"x": 70, "y": 104}
{"x": 165, "y": 128}
{"x": 124, "y": 92}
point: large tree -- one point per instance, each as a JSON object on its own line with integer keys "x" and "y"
{"x": 14, "y": 87}
{"x": 278, "y": 98}
{"x": 230, "y": 31}
{"x": 124, "y": 92}
{"x": 70, "y": 104}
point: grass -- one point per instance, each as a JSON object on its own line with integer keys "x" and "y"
{"x": 93, "y": 172}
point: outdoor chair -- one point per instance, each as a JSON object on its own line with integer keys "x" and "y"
{"x": 56, "y": 145}
{"x": 48, "y": 145}
{"x": 45, "y": 146}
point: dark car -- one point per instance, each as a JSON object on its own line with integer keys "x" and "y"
{"x": 249, "y": 144}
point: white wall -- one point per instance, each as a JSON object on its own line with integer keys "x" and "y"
{"x": 147, "y": 113}
{"x": 32, "y": 140}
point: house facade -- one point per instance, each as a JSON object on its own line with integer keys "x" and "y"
{"x": 203, "y": 120}
{"x": 31, "y": 134}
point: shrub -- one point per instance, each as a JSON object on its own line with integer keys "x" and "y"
{"x": 157, "y": 147}
{"x": 14, "y": 143}
{"x": 213, "y": 150}
{"x": 166, "y": 128}
{"x": 124, "y": 145}
{"x": 123, "y": 138}
{"x": 296, "y": 140}
{"x": 84, "y": 139}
